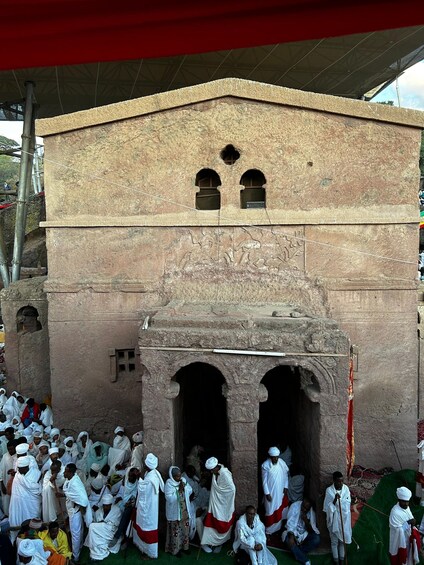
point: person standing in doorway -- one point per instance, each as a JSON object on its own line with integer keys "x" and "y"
{"x": 220, "y": 516}
{"x": 275, "y": 482}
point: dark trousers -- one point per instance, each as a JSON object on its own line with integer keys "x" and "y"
{"x": 301, "y": 551}
{"x": 123, "y": 524}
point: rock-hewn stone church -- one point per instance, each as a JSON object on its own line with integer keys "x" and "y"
{"x": 213, "y": 253}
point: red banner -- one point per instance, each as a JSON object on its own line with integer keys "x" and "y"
{"x": 350, "y": 444}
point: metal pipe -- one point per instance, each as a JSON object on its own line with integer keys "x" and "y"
{"x": 4, "y": 267}
{"x": 23, "y": 191}
{"x": 242, "y": 352}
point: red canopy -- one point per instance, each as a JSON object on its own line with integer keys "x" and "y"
{"x": 61, "y": 32}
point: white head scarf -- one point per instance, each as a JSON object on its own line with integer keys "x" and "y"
{"x": 118, "y": 429}
{"x": 403, "y": 493}
{"x": 138, "y": 437}
{"x": 22, "y": 448}
{"x": 211, "y": 463}
{"x": 107, "y": 498}
{"x": 151, "y": 461}
{"x": 273, "y": 452}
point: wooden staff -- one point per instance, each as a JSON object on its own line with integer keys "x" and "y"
{"x": 343, "y": 534}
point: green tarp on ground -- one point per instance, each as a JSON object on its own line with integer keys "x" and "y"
{"x": 371, "y": 533}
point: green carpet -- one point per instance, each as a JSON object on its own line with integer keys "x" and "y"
{"x": 371, "y": 533}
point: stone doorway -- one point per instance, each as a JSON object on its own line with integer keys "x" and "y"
{"x": 288, "y": 416}
{"x": 200, "y": 412}
{"x": 257, "y": 342}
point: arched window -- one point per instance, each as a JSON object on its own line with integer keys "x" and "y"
{"x": 253, "y": 193}
{"x": 208, "y": 197}
{"x": 27, "y": 320}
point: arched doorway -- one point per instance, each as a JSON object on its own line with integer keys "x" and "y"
{"x": 200, "y": 412}
{"x": 289, "y": 417}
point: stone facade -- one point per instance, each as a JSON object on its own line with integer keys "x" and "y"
{"x": 27, "y": 337}
{"x": 336, "y": 243}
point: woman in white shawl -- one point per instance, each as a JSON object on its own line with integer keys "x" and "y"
{"x": 3, "y": 397}
{"x": 84, "y": 444}
{"x": 178, "y": 508}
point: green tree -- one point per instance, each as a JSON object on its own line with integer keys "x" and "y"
{"x": 9, "y": 166}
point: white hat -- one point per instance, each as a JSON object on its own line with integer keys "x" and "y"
{"x": 151, "y": 461}
{"x": 118, "y": 429}
{"x": 38, "y": 433}
{"x": 211, "y": 463}
{"x": 403, "y": 493}
{"x": 273, "y": 451}
{"x": 53, "y": 450}
{"x": 23, "y": 461}
{"x": 95, "y": 467}
{"x": 22, "y": 448}
{"x": 43, "y": 443}
{"x": 27, "y": 548}
{"x": 107, "y": 498}
{"x": 97, "y": 483}
{"x": 138, "y": 437}
{"x": 54, "y": 432}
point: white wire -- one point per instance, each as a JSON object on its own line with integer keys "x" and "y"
{"x": 232, "y": 221}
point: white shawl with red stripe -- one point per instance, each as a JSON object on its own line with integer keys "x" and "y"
{"x": 220, "y": 516}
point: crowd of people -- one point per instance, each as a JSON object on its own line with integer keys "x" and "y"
{"x": 61, "y": 493}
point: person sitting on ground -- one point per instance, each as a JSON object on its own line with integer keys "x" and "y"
{"x": 126, "y": 498}
{"x": 55, "y": 540}
{"x": 31, "y": 412}
{"x": 250, "y": 537}
{"x": 102, "y": 530}
{"x": 31, "y": 552}
{"x": 301, "y": 534}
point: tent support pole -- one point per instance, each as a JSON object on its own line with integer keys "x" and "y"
{"x": 24, "y": 182}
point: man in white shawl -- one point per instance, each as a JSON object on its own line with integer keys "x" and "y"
{"x": 275, "y": 482}
{"x": 420, "y": 475}
{"x": 250, "y": 536}
{"x": 7, "y": 464}
{"x": 25, "y": 500}
{"x": 220, "y": 516}
{"x": 404, "y": 541}
{"x": 31, "y": 552}
{"x": 102, "y": 530}
{"x": 137, "y": 451}
{"x": 53, "y": 480}
{"x": 301, "y": 534}
{"x": 46, "y": 415}
{"x": 145, "y": 527}
{"x": 339, "y": 523}
{"x": 76, "y": 504}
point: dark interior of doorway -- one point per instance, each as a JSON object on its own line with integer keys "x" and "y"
{"x": 200, "y": 413}
{"x": 277, "y": 415}
{"x": 289, "y": 417}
